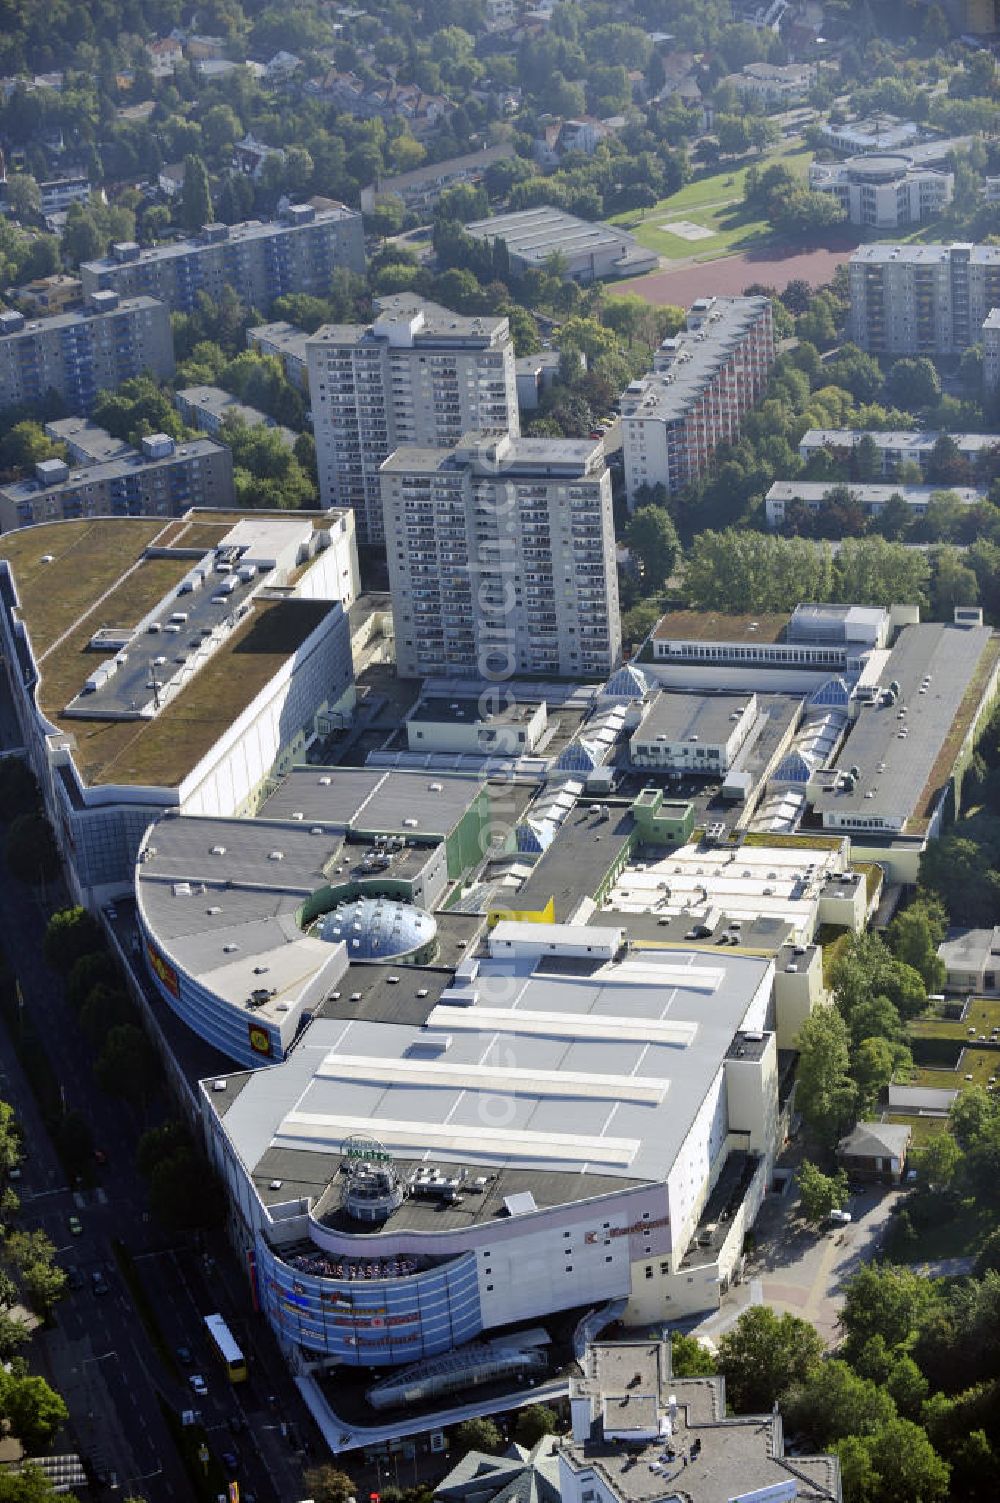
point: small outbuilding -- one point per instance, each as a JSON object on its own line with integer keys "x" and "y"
{"x": 875, "y": 1151}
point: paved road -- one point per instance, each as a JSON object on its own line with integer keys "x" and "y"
{"x": 98, "y": 1353}
{"x": 800, "y": 1270}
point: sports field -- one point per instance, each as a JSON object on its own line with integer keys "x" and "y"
{"x": 709, "y": 216}
{"x": 769, "y": 264}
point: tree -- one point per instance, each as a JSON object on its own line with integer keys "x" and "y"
{"x": 690, "y": 1358}
{"x": 871, "y": 571}
{"x": 70, "y": 933}
{"x": 652, "y": 536}
{"x": 127, "y": 1065}
{"x": 972, "y": 1114}
{"x": 44, "y": 1284}
{"x": 858, "y": 1476}
{"x": 34, "y": 1410}
{"x": 907, "y": 1466}
{"x": 763, "y": 1355}
{"x": 887, "y": 1301}
{"x": 170, "y": 1195}
{"x": 953, "y": 583}
{"x": 195, "y": 205}
{"x": 740, "y": 570}
{"x": 874, "y": 1064}
{"x": 477, "y": 1435}
{"x": 914, "y": 936}
{"x": 23, "y": 196}
{"x": 327, "y": 1484}
{"x": 912, "y": 384}
{"x": 820, "y": 1193}
{"x": 834, "y": 1403}
{"x": 533, "y": 1423}
{"x": 98, "y": 968}
{"x": 31, "y": 851}
{"x": 825, "y": 1094}
{"x": 81, "y": 239}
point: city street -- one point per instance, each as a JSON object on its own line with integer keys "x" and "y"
{"x": 98, "y": 1353}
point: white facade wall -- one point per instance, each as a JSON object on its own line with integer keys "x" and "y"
{"x": 265, "y": 739}
{"x": 371, "y": 393}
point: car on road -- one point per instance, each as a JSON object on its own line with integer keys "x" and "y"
{"x": 841, "y": 1218}
{"x": 198, "y": 1384}
{"x": 75, "y": 1225}
{"x": 99, "y": 1283}
{"x": 230, "y": 1461}
{"x": 74, "y": 1278}
{"x": 184, "y": 1356}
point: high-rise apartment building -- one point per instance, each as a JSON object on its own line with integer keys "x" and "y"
{"x": 702, "y": 382}
{"x": 991, "y": 351}
{"x": 79, "y": 354}
{"x": 921, "y": 299}
{"x": 295, "y": 253}
{"x": 419, "y": 374}
{"x": 502, "y": 558}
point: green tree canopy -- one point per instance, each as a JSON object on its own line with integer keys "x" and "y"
{"x": 825, "y": 1094}
{"x": 70, "y": 933}
{"x": 820, "y": 1193}
{"x": 763, "y": 1355}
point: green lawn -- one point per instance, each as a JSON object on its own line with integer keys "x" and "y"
{"x": 715, "y": 203}
{"x": 924, "y": 1129}
{"x": 982, "y": 1016}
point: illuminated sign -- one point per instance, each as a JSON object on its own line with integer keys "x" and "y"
{"x": 164, "y": 973}
{"x": 625, "y": 1231}
{"x": 359, "y": 1148}
{"x": 260, "y": 1039}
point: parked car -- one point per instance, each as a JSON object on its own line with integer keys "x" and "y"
{"x": 184, "y": 1356}
{"x": 198, "y": 1384}
{"x": 841, "y": 1218}
{"x": 75, "y": 1225}
{"x": 99, "y": 1283}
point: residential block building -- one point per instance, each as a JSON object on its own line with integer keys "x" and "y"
{"x": 921, "y": 299}
{"x": 884, "y": 191}
{"x": 895, "y": 447}
{"x": 287, "y": 343}
{"x": 419, "y": 374}
{"x": 703, "y": 381}
{"x": 502, "y": 558}
{"x": 296, "y": 252}
{"x": 80, "y": 354}
{"x": 163, "y": 480}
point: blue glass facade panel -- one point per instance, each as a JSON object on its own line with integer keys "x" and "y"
{"x": 376, "y": 1323}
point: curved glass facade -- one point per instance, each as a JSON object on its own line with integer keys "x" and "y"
{"x": 371, "y": 1321}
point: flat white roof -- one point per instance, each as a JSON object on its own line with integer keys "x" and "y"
{"x": 600, "y": 1067}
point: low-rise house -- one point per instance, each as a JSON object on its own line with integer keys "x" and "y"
{"x": 249, "y": 156}
{"x": 876, "y": 1151}
{"x": 971, "y": 960}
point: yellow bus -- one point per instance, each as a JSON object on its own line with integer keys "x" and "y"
{"x": 227, "y": 1349}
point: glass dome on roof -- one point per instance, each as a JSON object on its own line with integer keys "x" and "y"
{"x": 377, "y": 928}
